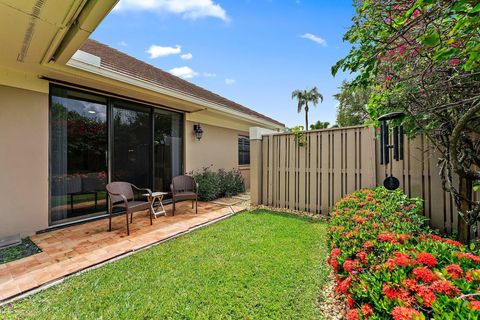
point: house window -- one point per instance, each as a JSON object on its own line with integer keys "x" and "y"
{"x": 243, "y": 150}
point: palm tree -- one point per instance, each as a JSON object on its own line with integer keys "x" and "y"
{"x": 304, "y": 97}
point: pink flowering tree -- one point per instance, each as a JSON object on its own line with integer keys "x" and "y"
{"x": 423, "y": 58}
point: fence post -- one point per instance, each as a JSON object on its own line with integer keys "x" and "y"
{"x": 256, "y": 163}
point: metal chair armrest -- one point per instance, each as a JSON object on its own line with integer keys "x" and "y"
{"x": 142, "y": 189}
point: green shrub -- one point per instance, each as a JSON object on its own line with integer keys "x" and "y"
{"x": 209, "y": 184}
{"x": 232, "y": 182}
{"x": 213, "y": 185}
{"x": 389, "y": 265}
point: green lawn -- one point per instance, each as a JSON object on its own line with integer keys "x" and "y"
{"x": 254, "y": 265}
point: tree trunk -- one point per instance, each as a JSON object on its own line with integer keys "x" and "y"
{"x": 465, "y": 191}
{"x": 306, "y": 117}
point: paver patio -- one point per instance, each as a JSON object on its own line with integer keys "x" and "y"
{"x": 72, "y": 249}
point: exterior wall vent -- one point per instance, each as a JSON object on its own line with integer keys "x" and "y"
{"x": 37, "y": 8}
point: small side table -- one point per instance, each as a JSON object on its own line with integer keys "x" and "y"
{"x": 156, "y": 197}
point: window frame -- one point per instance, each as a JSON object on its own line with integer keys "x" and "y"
{"x": 243, "y": 150}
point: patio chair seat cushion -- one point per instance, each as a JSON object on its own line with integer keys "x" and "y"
{"x": 185, "y": 195}
{"x": 135, "y": 205}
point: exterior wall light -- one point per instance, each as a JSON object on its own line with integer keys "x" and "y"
{"x": 198, "y": 131}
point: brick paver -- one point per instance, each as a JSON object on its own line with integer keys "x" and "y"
{"x": 72, "y": 249}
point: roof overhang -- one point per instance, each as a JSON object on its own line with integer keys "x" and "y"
{"x": 35, "y": 32}
{"x": 44, "y": 44}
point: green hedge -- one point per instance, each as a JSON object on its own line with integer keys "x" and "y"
{"x": 217, "y": 184}
{"x": 389, "y": 265}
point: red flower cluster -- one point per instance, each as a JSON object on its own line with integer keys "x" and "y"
{"x": 434, "y": 237}
{"x": 367, "y": 245}
{"x": 405, "y": 313}
{"x": 351, "y": 265}
{"x": 424, "y": 274}
{"x": 475, "y": 305}
{"x": 343, "y": 286}
{"x": 401, "y": 260}
{"x": 426, "y": 259}
{"x": 455, "y": 271}
{"x": 377, "y": 245}
{"x": 359, "y": 219}
{"x": 388, "y": 236}
{"x": 396, "y": 293}
{"x": 367, "y": 311}
{"x": 469, "y": 256}
{"x": 362, "y": 256}
{"x": 353, "y": 314}
{"x": 445, "y": 287}
{"x": 472, "y": 275}
{"x": 426, "y": 295}
{"x": 333, "y": 260}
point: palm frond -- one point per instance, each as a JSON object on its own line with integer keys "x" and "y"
{"x": 296, "y": 94}
{"x": 300, "y": 105}
{"x": 300, "y": 96}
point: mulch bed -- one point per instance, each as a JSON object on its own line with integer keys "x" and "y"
{"x": 22, "y": 250}
{"x": 333, "y": 306}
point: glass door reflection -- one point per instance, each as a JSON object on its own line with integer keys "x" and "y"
{"x": 78, "y": 154}
{"x": 168, "y": 148}
{"x": 131, "y": 160}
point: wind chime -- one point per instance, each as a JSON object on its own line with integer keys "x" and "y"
{"x": 391, "y": 141}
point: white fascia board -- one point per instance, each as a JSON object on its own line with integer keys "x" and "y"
{"x": 88, "y": 64}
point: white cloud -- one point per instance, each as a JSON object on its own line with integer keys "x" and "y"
{"x": 209, "y": 75}
{"x": 123, "y": 43}
{"x": 188, "y": 9}
{"x": 229, "y": 81}
{"x": 158, "y": 51}
{"x": 186, "y": 56}
{"x": 314, "y": 38}
{"x": 184, "y": 72}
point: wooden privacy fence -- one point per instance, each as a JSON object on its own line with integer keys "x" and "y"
{"x": 337, "y": 161}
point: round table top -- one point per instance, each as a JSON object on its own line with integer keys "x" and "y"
{"x": 156, "y": 194}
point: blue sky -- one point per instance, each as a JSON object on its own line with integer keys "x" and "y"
{"x": 254, "y": 52}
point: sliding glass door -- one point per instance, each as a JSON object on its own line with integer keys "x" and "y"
{"x": 132, "y": 135}
{"x": 168, "y": 147}
{"x": 78, "y": 154}
{"x": 96, "y": 139}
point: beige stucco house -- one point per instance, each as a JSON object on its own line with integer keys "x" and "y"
{"x": 75, "y": 114}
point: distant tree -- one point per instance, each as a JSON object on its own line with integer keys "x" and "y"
{"x": 319, "y": 125}
{"x": 352, "y": 105}
{"x": 304, "y": 97}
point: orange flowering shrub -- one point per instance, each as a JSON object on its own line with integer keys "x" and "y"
{"x": 391, "y": 266}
